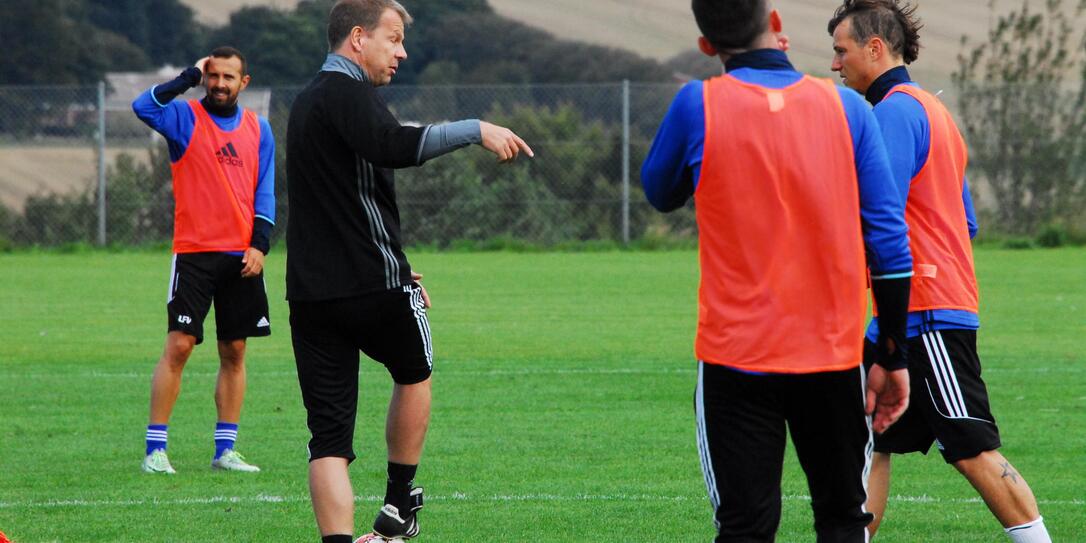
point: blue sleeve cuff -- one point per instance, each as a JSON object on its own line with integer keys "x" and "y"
{"x": 900, "y": 275}
{"x": 154, "y": 98}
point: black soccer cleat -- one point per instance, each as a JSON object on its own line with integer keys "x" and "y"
{"x": 391, "y": 523}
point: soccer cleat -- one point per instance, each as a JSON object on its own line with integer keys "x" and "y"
{"x": 372, "y": 538}
{"x": 389, "y": 523}
{"x": 158, "y": 462}
{"x": 232, "y": 460}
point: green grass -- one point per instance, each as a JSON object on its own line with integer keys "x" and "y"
{"x": 563, "y": 407}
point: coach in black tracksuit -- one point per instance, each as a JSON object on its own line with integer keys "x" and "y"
{"x": 349, "y": 284}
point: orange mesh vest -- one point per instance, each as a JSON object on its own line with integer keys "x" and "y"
{"x": 214, "y": 185}
{"x": 778, "y": 208}
{"x": 944, "y": 276}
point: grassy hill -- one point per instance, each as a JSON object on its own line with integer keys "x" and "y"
{"x": 663, "y": 28}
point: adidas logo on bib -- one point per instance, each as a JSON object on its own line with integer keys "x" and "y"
{"x": 263, "y": 323}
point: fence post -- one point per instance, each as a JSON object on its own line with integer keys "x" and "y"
{"x": 101, "y": 163}
{"x": 626, "y": 161}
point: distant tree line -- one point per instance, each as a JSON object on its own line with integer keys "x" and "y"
{"x": 452, "y": 41}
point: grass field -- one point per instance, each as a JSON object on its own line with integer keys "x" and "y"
{"x": 563, "y": 408}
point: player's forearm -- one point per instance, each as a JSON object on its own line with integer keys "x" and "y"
{"x": 151, "y": 105}
{"x": 892, "y": 299}
{"x": 441, "y": 139}
{"x": 970, "y": 211}
{"x": 166, "y": 92}
{"x": 261, "y": 235}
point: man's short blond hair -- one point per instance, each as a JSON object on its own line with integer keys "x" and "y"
{"x": 347, "y": 14}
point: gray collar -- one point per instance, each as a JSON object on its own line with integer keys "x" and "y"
{"x": 343, "y": 65}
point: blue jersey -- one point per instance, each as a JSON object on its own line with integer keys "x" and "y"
{"x": 670, "y": 174}
{"x": 176, "y": 122}
{"x": 907, "y": 132}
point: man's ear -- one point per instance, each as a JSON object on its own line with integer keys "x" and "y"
{"x": 358, "y": 37}
{"x": 706, "y": 47}
{"x": 245, "y": 79}
{"x": 776, "y": 25}
{"x": 875, "y": 48}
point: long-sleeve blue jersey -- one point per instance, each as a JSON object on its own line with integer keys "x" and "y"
{"x": 176, "y": 121}
{"x": 670, "y": 174}
{"x": 907, "y": 132}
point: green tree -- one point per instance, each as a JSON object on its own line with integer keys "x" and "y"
{"x": 1021, "y": 99}
{"x": 281, "y": 47}
{"x": 140, "y": 199}
{"x": 53, "y": 42}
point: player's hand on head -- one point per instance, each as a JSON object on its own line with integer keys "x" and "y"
{"x": 253, "y": 261}
{"x": 202, "y": 66}
{"x": 887, "y": 396}
{"x": 503, "y": 142}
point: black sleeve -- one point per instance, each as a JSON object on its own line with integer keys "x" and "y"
{"x": 261, "y": 235}
{"x": 892, "y": 298}
{"x": 172, "y": 89}
{"x": 361, "y": 117}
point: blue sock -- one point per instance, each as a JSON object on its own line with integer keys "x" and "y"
{"x": 225, "y": 436}
{"x": 156, "y": 437}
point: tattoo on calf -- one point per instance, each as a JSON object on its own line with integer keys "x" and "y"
{"x": 1008, "y": 471}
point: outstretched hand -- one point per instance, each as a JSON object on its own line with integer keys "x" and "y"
{"x": 503, "y": 142}
{"x": 887, "y": 396}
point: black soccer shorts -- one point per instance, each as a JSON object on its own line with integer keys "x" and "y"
{"x": 390, "y": 327}
{"x": 197, "y": 279}
{"x": 743, "y": 421}
{"x": 948, "y": 401}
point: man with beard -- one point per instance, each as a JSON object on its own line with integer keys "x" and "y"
{"x": 223, "y": 162}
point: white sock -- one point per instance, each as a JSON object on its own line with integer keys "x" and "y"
{"x": 1030, "y": 532}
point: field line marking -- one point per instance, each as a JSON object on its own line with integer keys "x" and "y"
{"x": 557, "y": 371}
{"x": 455, "y": 372}
{"x": 460, "y": 496}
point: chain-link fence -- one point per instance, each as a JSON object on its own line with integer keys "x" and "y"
{"x": 77, "y": 166}
{"x": 584, "y": 185}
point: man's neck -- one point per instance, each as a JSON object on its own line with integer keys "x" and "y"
{"x": 341, "y": 61}
{"x": 882, "y": 85}
{"x": 760, "y": 59}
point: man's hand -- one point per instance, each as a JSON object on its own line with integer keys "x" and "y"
{"x": 254, "y": 262}
{"x": 503, "y": 142}
{"x": 417, "y": 278}
{"x": 202, "y": 66}
{"x": 783, "y": 43}
{"x": 887, "y": 396}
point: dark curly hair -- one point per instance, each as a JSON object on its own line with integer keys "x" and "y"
{"x": 893, "y": 21}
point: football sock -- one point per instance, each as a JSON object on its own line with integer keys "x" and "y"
{"x": 225, "y": 436}
{"x": 337, "y": 538}
{"x": 1030, "y": 532}
{"x": 398, "y": 489}
{"x": 156, "y": 437}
